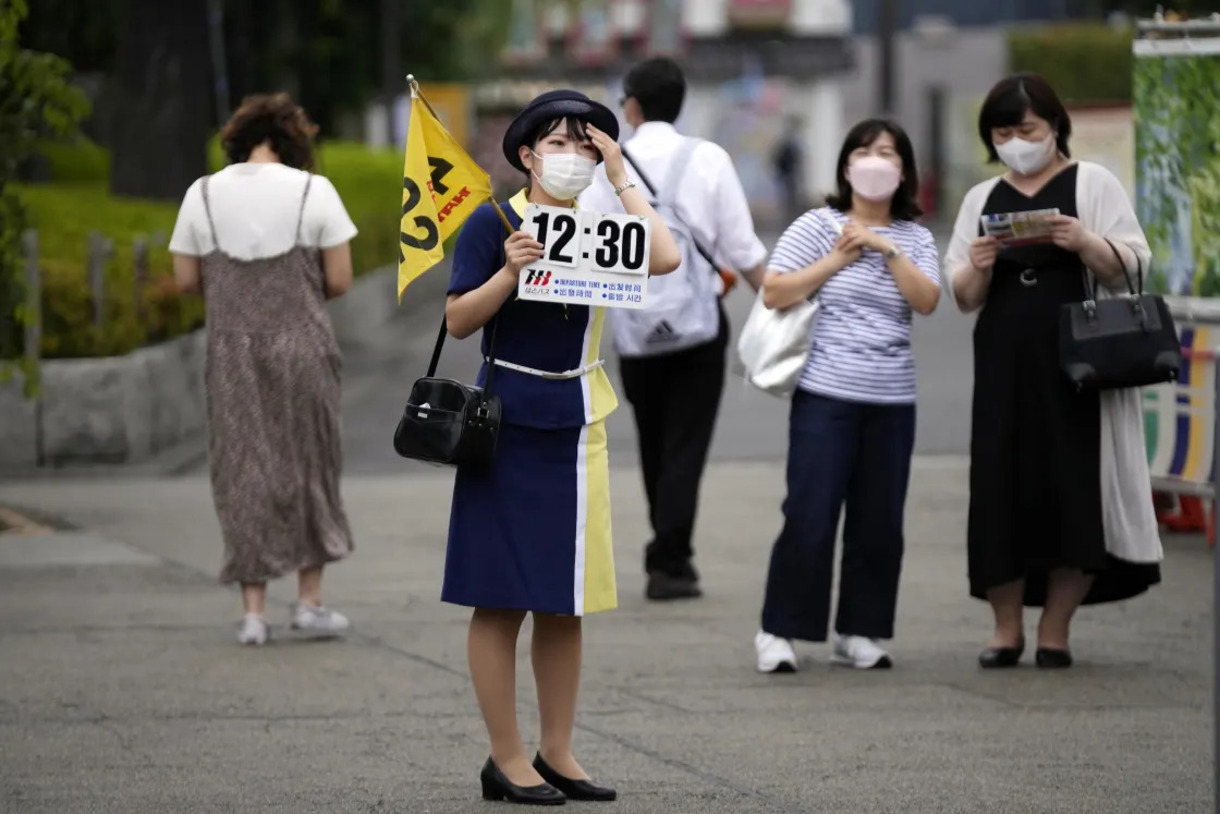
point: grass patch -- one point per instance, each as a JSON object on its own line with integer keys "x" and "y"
{"x": 78, "y": 202}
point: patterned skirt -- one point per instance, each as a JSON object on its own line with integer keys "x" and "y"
{"x": 533, "y": 531}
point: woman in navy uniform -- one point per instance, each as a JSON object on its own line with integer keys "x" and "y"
{"x": 532, "y": 533}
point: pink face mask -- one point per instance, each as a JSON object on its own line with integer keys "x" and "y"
{"x": 874, "y": 178}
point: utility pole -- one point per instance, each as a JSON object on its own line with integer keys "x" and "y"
{"x": 887, "y": 24}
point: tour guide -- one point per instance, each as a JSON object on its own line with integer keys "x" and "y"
{"x": 532, "y": 532}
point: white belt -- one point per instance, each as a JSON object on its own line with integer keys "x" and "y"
{"x": 574, "y": 373}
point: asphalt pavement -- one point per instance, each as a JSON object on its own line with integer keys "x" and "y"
{"x": 122, "y": 688}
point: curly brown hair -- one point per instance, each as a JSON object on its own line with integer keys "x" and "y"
{"x": 274, "y": 118}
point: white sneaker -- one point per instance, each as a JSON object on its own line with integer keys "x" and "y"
{"x": 253, "y": 630}
{"x": 318, "y": 619}
{"x": 774, "y": 654}
{"x": 861, "y": 653}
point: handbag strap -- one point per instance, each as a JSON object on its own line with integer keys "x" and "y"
{"x": 1133, "y": 288}
{"x": 681, "y": 162}
{"x": 491, "y": 345}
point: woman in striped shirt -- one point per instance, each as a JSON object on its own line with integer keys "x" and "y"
{"x": 852, "y": 426}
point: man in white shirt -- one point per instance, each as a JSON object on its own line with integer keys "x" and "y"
{"x": 673, "y": 353}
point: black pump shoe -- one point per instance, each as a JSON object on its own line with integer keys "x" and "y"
{"x": 997, "y": 658}
{"x": 1049, "y": 659}
{"x": 498, "y": 787}
{"x": 573, "y": 789}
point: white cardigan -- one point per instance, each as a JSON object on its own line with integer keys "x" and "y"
{"x": 1102, "y": 205}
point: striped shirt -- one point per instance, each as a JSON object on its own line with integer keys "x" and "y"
{"x": 861, "y": 347}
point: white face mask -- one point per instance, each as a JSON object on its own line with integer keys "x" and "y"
{"x": 1027, "y": 157}
{"x": 565, "y": 175}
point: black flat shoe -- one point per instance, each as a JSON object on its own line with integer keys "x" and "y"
{"x": 498, "y": 787}
{"x": 662, "y": 587}
{"x": 573, "y": 789}
{"x": 1049, "y": 659}
{"x": 998, "y": 658}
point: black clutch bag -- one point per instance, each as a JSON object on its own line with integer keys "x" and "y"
{"x": 447, "y": 422}
{"x": 1127, "y": 341}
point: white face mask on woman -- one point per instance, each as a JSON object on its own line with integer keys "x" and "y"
{"x": 1027, "y": 157}
{"x": 565, "y": 175}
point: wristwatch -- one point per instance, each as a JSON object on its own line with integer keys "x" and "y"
{"x": 893, "y": 251}
{"x": 623, "y": 187}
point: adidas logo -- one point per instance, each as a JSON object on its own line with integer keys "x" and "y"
{"x": 664, "y": 332}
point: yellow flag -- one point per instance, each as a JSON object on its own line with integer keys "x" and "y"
{"x": 441, "y": 186}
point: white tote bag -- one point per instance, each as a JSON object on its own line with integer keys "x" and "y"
{"x": 774, "y": 345}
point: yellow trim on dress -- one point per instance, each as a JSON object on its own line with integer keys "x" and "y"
{"x": 601, "y": 591}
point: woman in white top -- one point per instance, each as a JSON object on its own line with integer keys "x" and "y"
{"x": 1060, "y": 501}
{"x": 266, "y": 243}
{"x": 852, "y": 427}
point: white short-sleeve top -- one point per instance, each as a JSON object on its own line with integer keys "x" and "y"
{"x": 256, "y": 208}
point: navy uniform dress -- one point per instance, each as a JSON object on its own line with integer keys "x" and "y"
{"x": 533, "y": 531}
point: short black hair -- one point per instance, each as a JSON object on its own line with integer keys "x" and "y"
{"x": 659, "y": 86}
{"x": 1008, "y": 101}
{"x": 575, "y": 130}
{"x": 904, "y": 206}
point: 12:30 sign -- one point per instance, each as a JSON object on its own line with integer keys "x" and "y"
{"x": 586, "y": 241}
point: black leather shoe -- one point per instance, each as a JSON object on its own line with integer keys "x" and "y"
{"x": 498, "y": 787}
{"x": 663, "y": 587}
{"x": 1049, "y": 659}
{"x": 998, "y": 658}
{"x": 573, "y": 789}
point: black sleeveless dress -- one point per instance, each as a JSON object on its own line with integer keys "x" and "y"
{"x": 1035, "y": 447}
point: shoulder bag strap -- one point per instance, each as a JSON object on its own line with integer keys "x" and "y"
{"x": 682, "y": 159}
{"x": 207, "y": 210}
{"x": 301, "y": 214}
{"x": 491, "y": 346}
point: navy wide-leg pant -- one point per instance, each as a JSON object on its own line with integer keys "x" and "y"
{"x": 841, "y": 452}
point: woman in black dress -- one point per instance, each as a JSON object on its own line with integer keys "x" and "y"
{"x": 1060, "y": 502}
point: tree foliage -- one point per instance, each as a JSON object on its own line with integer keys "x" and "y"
{"x": 330, "y": 54}
{"x": 37, "y": 102}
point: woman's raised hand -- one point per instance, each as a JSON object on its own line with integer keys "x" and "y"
{"x": 520, "y": 250}
{"x": 616, "y": 173}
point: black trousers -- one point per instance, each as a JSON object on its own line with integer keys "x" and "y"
{"x": 675, "y": 398}
{"x": 841, "y": 452}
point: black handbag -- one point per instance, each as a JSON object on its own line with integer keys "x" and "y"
{"x": 1127, "y": 341}
{"x": 447, "y": 422}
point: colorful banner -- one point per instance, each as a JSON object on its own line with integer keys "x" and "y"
{"x": 1179, "y": 418}
{"x": 1177, "y": 163}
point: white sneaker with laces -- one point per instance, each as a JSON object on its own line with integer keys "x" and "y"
{"x": 775, "y": 655}
{"x": 253, "y": 630}
{"x": 318, "y": 619}
{"x": 860, "y": 653}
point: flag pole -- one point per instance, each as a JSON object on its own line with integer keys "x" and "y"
{"x": 413, "y": 87}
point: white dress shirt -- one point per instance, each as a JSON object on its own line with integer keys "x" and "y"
{"x": 710, "y": 201}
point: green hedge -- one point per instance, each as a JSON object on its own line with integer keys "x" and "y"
{"x": 77, "y": 202}
{"x": 1084, "y": 62}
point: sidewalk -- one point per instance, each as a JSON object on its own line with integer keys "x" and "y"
{"x": 122, "y": 688}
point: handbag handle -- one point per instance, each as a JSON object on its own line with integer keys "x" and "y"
{"x": 1122, "y": 264}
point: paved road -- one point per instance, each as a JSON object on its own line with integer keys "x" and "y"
{"x": 752, "y": 425}
{"x": 122, "y": 690}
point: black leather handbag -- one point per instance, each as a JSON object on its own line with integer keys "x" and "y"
{"x": 447, "y": 422}
{"x": 1127, "y": 341}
